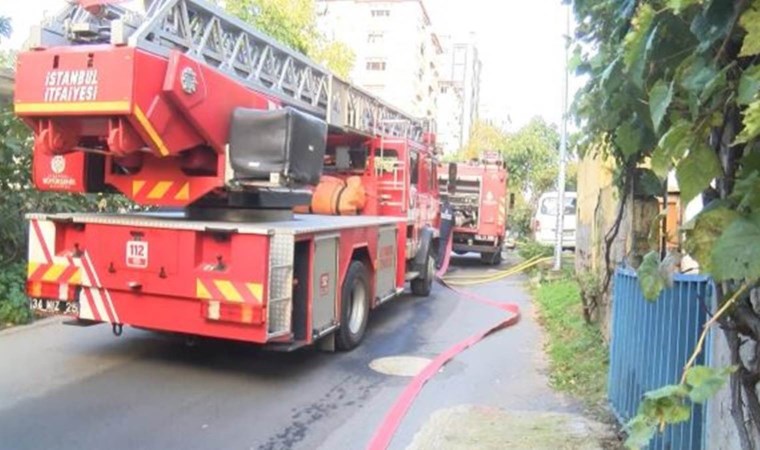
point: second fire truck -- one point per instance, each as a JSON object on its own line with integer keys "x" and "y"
{"x": 478, "y": 199}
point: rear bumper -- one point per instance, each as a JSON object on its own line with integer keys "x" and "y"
{"x": 551, "y": 239}
{"x": 469, "y": 242}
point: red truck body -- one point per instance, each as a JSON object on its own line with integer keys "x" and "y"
{"x": 479, "y": 200}
{"x": 154, "y": 124}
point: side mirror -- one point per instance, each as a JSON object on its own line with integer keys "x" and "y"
{"x": 511, "y": 200}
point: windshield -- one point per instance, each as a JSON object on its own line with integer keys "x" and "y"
{"x": 549, "y": 206}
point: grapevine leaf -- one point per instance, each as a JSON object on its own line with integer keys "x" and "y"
{"x": 676, "y": 140}
{"x": 648, "y": 184}
{"x": 666, "y": 404}
{"x": 715, "y": 84}
{"x": 628, "y": 139}
{"x": 650, "y": 278}
{"x": 635, "y": 42}
{"x": 696, "y": 171}
{"x": 751, "y": 123}
{"x": 706, "y": 381}
{"x": 660, "y": 163}
{"x": 749, "y": 85}
{"x": 660, "y": 97}
{"x": 707, "y": 228}
{"x": 734, "y": 255}
{"x": 679, "y": 5}
{"x": 695, "y": 73}
{"x": 746, "y": 192}
{"x": 750, "y": 21}
{"x": 712, "y": 23}
{"x": 640, "y": 431}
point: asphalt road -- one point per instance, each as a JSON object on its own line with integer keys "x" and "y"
{"x": 82, "y": 388}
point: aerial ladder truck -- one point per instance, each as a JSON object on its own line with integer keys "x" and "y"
{"x": 220, "y": 132}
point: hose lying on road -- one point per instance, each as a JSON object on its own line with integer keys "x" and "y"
{"x": 468, "y": 280}
{"x": 384, "y": 434}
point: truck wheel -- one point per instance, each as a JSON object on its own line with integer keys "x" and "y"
{"x": 354, "y": 307}
{"x": 423, "y": 285}
{"x": 493, "y": 259}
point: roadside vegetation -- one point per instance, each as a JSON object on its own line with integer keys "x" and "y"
{"x": 578, "y": 355}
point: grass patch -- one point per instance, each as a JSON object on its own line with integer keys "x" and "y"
{"x": 577, "y": 352}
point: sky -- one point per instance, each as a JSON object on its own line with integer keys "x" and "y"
{"x": 521, "y": 45}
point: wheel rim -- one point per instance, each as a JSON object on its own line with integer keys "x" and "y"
{"x": 358, "y": 307}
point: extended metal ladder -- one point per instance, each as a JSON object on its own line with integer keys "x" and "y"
{"x": 210, "y": 35}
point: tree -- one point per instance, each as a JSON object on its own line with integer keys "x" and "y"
{"x": 293, "y": 23}
{"x": 676, "y": 82}
{"x": 530, "y": 154}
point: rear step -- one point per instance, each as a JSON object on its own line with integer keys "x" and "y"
{"x": 81, "y": 322}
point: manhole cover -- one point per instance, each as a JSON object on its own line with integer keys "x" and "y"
{"x": 402, "y": 366}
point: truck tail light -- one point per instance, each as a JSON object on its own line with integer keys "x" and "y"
{"x": 51, "y": 291}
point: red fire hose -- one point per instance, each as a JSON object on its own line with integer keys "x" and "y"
{"x": 384, "y": 434}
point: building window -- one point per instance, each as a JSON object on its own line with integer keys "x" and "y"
{"x": 381, "y": 12}
{"x": 375, "y": 65}
{"x": 374, "y": 38}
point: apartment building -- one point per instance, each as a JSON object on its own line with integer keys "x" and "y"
{"x": 459, "y": 95}
{"x": 396, "y": 50}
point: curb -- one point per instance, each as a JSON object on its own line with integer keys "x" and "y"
{"x": 40, "y": 323}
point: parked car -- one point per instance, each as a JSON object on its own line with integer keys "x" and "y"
{"x": 545, "y": 220}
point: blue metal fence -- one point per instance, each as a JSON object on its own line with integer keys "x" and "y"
{"x": 651, "y": 342}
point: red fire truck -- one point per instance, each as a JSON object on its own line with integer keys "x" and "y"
{"x": 223, "y": 132}
{"x": 478, "y": 199}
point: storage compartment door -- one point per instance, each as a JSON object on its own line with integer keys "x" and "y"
{"x": 324, "y": 283}
{"x": 387, "y": 253}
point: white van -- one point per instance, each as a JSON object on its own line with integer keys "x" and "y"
{"x": 545, "y": 221}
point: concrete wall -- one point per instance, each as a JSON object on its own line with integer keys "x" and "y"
{"x": 598, "y": 205}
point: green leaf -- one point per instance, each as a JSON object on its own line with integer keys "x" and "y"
{"x": 749, "y": 85}
{"x": 734, "y": 256}
{"x": 661, "y": 163}
{"x": 635, "y": 42}
{"x": 751, "y": 123}
{"x": 712, "y": 24}
{"x": 707, "y": 228}
{"x": 575, "y": 60}
{"x": 668, "y": 391}
{"x": 679, "y": 5}
{"x": 666, "y": 404}
{"x": 750, "y": 21}
{"x": 650, "y": 278}
{"x": 746, "y": 192}
{"x": 717, "y": 83}
{"x": 660, "y": 97}
{"x": 705, "y": 382}
{"x": 648, "y": 184}
{"x": 640, "y": 431}
{"x": 676, "y": 140}
{"x": 695, "y": 73}
{"x": 628, "y": 139}
{"x": 697, "y": 170}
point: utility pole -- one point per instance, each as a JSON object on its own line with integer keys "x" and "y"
{"x": 562, "y": 150}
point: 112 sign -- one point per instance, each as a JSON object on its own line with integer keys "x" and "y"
{"x": 137, "y": 254}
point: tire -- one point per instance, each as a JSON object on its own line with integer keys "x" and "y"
{"x": 354, "y": 307}
{"x": 423, "y": 285}
{"x": 491, "y": 258}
